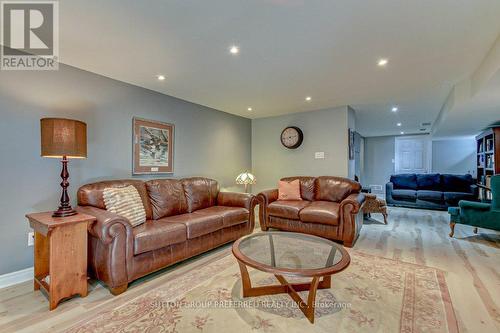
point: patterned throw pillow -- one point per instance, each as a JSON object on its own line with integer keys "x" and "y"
{"x": 289, "y": 190}
{"x": 126, "y": 202}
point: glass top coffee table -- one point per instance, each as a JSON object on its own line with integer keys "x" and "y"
{"x": 290, "y": 254}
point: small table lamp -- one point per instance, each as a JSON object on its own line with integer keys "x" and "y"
{"x": 63, "y": 138}
{"x": 246, "y": 178}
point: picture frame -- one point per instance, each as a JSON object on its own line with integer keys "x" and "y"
{"x": 152, "y": 147}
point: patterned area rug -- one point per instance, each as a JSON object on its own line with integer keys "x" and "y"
{"x": 373, "y": 294}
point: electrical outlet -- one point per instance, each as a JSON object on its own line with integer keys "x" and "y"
{"x": 31, "y": 238}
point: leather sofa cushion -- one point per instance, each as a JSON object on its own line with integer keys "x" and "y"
{"x": 287, "y": 209}
{"x": 155, "y": 234}
{"x": 430, "y": 195}
{"x": 429, "y": 182}
{"x": 324, "y": 212}
{"x": 198, "y": 223}
{"x": 167, "y": 197}
{"x": 404, "y": 181}
{"x": 456, "y": 183}
{"x": 452, "y": 198}
{"x": 91, "y": 194}
{"x": 200, "y": 192}
{"x": 306, "y": 186}
{"x": 335, "y": 189}
{"x": 404, "y": 194}
{"x": 230, "y": 215}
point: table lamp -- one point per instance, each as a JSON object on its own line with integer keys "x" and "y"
{"x": 246, "y": 178}
{"x": 64, "y": 139}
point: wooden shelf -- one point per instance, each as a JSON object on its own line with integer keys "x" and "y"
{"x": 489, "y": 139}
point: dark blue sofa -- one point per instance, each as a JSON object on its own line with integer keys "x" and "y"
{"x": 430, "y": 191}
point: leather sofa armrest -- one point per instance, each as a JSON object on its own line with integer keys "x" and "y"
{"x": 104, "y": 227}
{"x": 268, "y": 196}
{"x": 356, "y": 200}
{"x": 233, "y": 199}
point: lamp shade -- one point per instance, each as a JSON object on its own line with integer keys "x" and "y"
{"x": 63, "y": 137}
{"x": 246, "y": 178}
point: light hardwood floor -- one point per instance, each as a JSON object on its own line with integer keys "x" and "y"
{"x": 471, "y": 262}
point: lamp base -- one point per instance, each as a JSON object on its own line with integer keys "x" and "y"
{"x": 64, "y": 207}
{"x": 63, "y": 212}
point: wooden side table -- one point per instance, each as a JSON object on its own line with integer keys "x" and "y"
{"x": 60, "y": 255}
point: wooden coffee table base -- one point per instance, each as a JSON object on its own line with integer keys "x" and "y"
{"x": 292, "y": 289}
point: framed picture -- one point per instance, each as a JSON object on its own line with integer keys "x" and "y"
{"x": 153, "y": 147}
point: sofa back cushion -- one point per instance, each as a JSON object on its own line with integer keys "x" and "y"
{"x": 200, "y": 192}
{"x": 429, "y": 181}
{"x": 404, "y": 181}
{"x": 167, "y": 197}
{"x": 92, "y": 194}
{"x": 307, "y": 185}
{"x": 456, "y": 183}
{"x": 335, "y": 189}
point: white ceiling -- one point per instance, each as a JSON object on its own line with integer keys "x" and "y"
{"x": 289, "y": 49}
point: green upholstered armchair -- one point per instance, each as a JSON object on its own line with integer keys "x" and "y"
{"x": 478, "y": 214}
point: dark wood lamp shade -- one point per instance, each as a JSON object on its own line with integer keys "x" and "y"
{"x": 63, "y": 138}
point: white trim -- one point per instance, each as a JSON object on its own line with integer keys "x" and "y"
{"x": 13, "y": 278}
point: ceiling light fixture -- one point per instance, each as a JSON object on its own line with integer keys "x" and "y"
{"x": 160, "y": 77}
{"x": 394, "y": 109}
{"x": 399, "y": 124}
{"x": 249, "y": 109}
{"x": 234, "y": 49}
{"x": 382, "y": 62}
{"x": 308, "y": 98}
{"x": 402, "y": 132}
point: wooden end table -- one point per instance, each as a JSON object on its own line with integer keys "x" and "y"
{"x": 290, "y": 254}
{"x": 60, "y": 255}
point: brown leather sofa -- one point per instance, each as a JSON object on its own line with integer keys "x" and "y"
{"x": 184, "y": 218}
{"x": 330, "y": 208}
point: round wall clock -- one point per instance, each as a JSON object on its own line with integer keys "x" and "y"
{"x": 292, "y": 137}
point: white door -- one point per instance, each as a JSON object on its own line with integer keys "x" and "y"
{"x": 413, "y": 154}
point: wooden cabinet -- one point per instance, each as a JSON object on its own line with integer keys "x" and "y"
{"x": 60, "y": 255}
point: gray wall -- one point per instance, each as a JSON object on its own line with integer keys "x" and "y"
{"x": 454, "y": 156}
{"x": 207, "y": 143}
{"x": 378, "y": 166}
{"x": 324, "y": 130}
{"x": 457, "y": 156}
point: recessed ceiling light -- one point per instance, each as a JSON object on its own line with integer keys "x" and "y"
{"x": 382, "y": 62}
{"x": 399, "y": 124}
{"x": 249, "y": 109}
{"x": 402, "y": 132}
{"x": 394, "y": 109}
{"x": 160, "y": 77}
{"x": 234, "y": 49}
{"x": 308, "y": 98}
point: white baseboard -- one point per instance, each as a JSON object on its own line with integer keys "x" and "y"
{"x": 13, "y": 278}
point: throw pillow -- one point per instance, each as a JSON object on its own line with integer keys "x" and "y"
{"x": 126, "y": 202}
{"x": 289, "y": 190}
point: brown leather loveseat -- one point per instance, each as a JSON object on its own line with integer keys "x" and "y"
{"x": 184, "y": 218}
{"x": 330, "y": 208}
